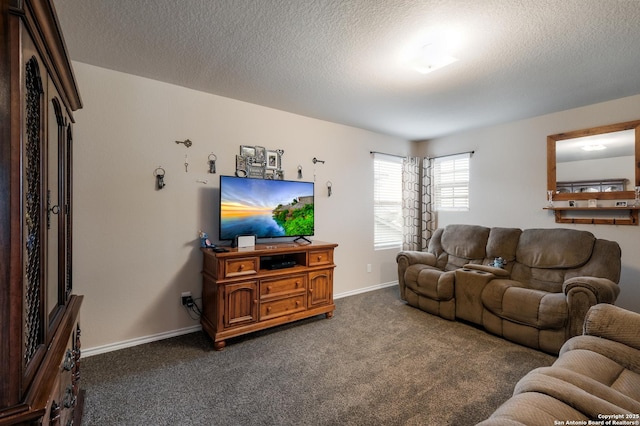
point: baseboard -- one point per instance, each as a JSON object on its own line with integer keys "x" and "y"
{"x": 166, "y": 335}
{"x": 138, "y": 341}
{"x": 364, "y": 290}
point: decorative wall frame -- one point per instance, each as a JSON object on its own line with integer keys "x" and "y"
{"x": 258, "y": 162}
{"x": 273, "y": 160}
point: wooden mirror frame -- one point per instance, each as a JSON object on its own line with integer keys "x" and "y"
{"x": 551, "y": 161}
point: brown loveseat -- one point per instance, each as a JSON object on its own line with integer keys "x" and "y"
{"x": 538, "y": 299}
{"x": 596, "y": 378}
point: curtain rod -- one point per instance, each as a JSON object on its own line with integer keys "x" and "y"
{"x": 451, "y": 155}
{"x": 440, "y": 156}
{"x": 390, "y": 155}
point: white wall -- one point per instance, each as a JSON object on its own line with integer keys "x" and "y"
{"x": 136, "y": 248}
{"x": 509, "y": 179}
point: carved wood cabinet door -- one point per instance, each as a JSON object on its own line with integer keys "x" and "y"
{"x": 320, "y": 287}
{"x": 240, "y": 303}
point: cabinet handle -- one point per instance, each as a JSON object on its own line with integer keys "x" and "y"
{"x": 297, "y": 303}
{"x": 69, "y": 398}
{"x": 69, "y": 360}
{"x": 241, "y": 267}
{"x": 297, "y": 284}
{"x": 269, "y": 309}
{"x": 319, "y": 258}
{"x": 268, "y": 289}
{"x": 55, "y": 209}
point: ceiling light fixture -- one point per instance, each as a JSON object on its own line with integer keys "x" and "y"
{"x": 594, "y": 147}
{"x": 430, "y": 58}
{"x": 432, "y": 49}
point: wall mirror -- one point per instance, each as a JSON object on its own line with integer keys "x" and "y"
{"x": 600, "y": 162}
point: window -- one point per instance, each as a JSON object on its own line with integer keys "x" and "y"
{"x": 387, "y": 201}
{"x": 451, "y": 183}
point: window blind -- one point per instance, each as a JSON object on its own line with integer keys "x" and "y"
{"x": 387, "y": 205}
{"x": 451, "y": 182}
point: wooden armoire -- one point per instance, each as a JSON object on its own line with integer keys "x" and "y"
{"x": 39, "y": 314}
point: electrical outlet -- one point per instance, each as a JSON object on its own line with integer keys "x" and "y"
{"x": 186, "y": 298}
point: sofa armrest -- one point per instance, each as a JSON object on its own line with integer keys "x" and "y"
{"x": 498, "y": 272}
{"x": 408, "y": 258}
{"x": 583, "y": 293}
{"x": 613, "y": 323}
{"x": 416, "y": 257}
{"x": 604, "y": 290}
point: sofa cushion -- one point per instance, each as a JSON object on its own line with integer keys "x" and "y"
{"x": 603, "y": 370}
{"x": 503, "y": 243}
{"x": 605, "y": 262}
{"x": 577, "y": 390}
{"x": 465, "y": 241}
{"x": 533, "y": 408}
{"x": 624, "y": 355}
{"x": 510, "y": 300}
{"x": 539, "y": 278}
{"x": 559, "y": 248}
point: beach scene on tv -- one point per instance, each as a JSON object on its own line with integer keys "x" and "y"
{"x": 265, "y": 208}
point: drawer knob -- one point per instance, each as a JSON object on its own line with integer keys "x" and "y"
{"x": 319, "y": 258}
{"x": 268, "y": 289}
{"x": 297, "y": 284}
{"x": 297, "y": 303}
{"x": 241, "y": 267}
{"x": 269, "y": 309}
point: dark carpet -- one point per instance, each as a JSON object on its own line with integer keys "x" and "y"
{"x": 376, "y": 362}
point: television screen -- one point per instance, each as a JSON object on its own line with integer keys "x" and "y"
{"x": 265, "y": 208}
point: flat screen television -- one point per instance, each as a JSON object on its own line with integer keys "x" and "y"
{"x": 265, "y": 208}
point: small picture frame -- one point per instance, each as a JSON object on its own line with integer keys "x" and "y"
{"x": 255, "y": 171}
{"x": 261, "y": 152}
{"x": 273, "y": 160}
{"x": 572, "y": 203}
{"x": 592, "y": 203}
{"x": 621, "y": 204}
{"x": 247, "y": 151}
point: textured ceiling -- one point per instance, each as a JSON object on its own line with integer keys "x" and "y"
{"x": 339, "y": 60}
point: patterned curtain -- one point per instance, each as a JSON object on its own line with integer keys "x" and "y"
{"x": 428, "y": 221}
{"x": 411, "y": 203}
{"x": 418, "y": 218}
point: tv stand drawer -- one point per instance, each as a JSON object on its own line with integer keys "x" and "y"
{"x": 270, "y": 289}
{"x": 281, "y": 307}
{"x": 241, "y": 266}
{"x": 320, "y": 257}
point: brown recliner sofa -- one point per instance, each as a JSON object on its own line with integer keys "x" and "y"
{"x": 595, "y": 380}
{"x": 539, "y": 298}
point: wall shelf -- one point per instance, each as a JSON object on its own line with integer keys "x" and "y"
{"x": 562, "y": 215}
{"x": 590, "y": 186}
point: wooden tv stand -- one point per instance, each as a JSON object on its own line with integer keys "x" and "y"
{"x": 245, "y": 290}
